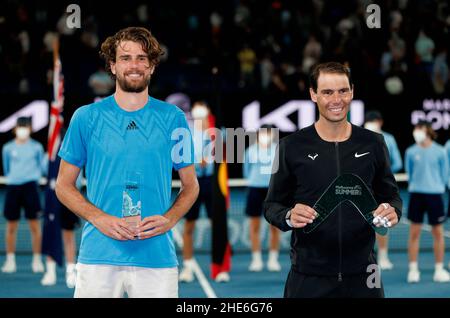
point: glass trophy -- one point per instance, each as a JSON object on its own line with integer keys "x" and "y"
{"x": 347, "y": 187}
{"x": 131, "y": 198}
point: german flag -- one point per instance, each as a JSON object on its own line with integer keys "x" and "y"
{"x": 221, "y": 248}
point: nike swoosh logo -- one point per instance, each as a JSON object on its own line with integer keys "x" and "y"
{"x": 360, "y": 155}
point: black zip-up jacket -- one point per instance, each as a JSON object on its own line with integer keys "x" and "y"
{"x": 344, "y": 243}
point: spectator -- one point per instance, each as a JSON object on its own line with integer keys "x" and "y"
{"x": 440, "y": 72}
{"x": 247, "y": 61}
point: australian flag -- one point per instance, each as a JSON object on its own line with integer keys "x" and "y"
{"x": 51, "y": 238}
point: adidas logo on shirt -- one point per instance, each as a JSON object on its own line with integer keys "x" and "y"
{"x": 132, "y": 125}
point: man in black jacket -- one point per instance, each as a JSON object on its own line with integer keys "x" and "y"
{"x": 337, "y": 258}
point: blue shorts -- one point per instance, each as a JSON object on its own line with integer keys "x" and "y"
{"x": 432, "y": 204}
{"x": 23, "y": 195}
{"x": 204, "y": 196}
{"x": 255, "y": 199}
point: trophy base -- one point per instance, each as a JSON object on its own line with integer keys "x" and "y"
{"x": 133, "y": 220}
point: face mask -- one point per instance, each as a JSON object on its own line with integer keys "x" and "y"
{"x": 372, "y": 126}
{"x": 264, "y": 139}
{"x": 22, "y": 133}
{"x": 199, "y": 112}
{"x": 419, "y": 136}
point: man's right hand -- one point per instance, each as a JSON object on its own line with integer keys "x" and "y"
{"x": 301, "y": 215}
{"x": 114, "y": 227}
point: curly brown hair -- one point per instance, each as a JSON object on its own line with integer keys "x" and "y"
{"x": 136, "y": 34}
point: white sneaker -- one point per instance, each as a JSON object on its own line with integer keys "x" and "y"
{"x": 441, "y": 276}
{"x": 37, "y": 266}
{"x": 9, "y": 266}
{"x": 186, "y": 275}
{"x": 413, "y": 276}
{"x": 385, "y": 264}
{"x": 256, "y": 265}
{"x": 49, "y": 279}
{"x": 71, "y": 276}
{"x": 273, "y": 265}
{"x": 223, "y": 277}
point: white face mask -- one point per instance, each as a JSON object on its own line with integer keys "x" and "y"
{"x": 419, "y": 135}
{"x": 264, "y": 139}
{"x": 22, "y": 133}
{"x": 373, "y": 127}
{"x": 200, "y": 112}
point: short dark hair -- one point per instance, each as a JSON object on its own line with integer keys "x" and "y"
{"x": 328, "y": 67}
{"x": 429, "y": 129}
{"x": 373, "y": 115}
{"x": 267, "y": 128}
{"x": 200, "y": 102}
{"x": 23, "y": 121}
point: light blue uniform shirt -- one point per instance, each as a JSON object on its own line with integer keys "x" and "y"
{"x": 394, "y": 153}
{"x": 22, "y": 163}
{"x": 427, "y": 169}
{"x": 257, "y": 165}
{"x": 202, "y": 150}
{"x": 109, "y": 142}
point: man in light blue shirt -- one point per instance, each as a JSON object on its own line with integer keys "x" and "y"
{"x": 374, "y": 122}
{"x": 128, "y": 144}
{"x": 23, "y": 167}
{"x": 204, "y": 168}
{"x": 257, "y": 168}
{"x": 427, "y": 168}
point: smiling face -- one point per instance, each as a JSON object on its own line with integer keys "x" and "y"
{"x": 132, "y": 67}
{"x": 333, "y": 97}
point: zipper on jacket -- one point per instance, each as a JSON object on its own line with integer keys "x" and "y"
{"x": 336, "y": 145}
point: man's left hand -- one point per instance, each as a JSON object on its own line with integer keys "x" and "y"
{"x": 385, "y": 210}
{"x": 152, "y": 226}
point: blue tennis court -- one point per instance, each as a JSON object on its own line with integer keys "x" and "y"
{"x": 243, "y": 283}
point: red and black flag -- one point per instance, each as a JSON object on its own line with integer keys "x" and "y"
{"x": 221, "y": 248}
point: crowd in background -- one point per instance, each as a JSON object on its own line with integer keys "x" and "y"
{"x": 259, "y": 46}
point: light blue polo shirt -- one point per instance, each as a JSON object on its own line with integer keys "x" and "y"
{"x": 394, "y": 153}
{"x": 202, "y": 151}
{"x": 23, "y": 163}
{"x": 427, "y": 169}
{"x": 257, "y": 167}
{"x": 111, "y": 142}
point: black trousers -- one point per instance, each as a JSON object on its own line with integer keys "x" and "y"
{"x": 299, "y": 285}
